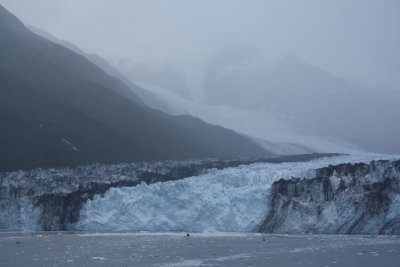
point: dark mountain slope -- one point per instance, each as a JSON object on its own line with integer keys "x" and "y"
{"x": 59, "y": 109}
{"x": 147, "y": 97}
{"x": 38, "y": 131}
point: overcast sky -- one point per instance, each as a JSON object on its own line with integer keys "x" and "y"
{"x": 358, "y": 38}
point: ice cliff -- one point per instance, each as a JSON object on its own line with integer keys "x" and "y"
{"x": 51, "y": 199}
{"x": 343, "y": 199}
{"x": 301, "y": 194}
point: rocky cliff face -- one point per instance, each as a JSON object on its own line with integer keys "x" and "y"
{"x": 344, "y": 199}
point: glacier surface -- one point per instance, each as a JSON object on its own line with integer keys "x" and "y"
{"x": 228, "y": 200}
{"x": 261, "y": 125}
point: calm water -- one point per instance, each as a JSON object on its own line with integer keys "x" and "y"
{"x": 177, "y": 249}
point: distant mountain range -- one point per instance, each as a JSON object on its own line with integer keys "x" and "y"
{"x": 253, "y": 124}
{"x": 312, "y": 101}
{"x": 59, "y": 109}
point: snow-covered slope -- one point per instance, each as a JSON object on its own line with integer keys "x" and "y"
{"x": 229, "y": 200}
{"x": 267, "y": 127}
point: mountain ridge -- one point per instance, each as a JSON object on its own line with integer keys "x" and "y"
{"x": 311, "y": 100}
{"x": 77, "y": 105}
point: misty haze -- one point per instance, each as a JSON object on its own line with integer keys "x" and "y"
{"x": 191, "y": 133}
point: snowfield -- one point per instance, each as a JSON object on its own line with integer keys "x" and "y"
{"x": 228, "y": 200}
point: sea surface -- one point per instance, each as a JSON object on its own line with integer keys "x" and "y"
{"x": 202, "y": 249}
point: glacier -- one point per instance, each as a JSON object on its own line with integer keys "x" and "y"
{"x": 208, "y": 195}
{"x": 51, "y": 199}
{"x": 228, "y": 200}
{"x": 259, "y": 125}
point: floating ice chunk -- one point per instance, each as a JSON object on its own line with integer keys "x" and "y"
{"x": 99, "y": 258}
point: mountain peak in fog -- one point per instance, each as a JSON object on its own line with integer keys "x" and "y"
{"x": 290, "y": 59}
